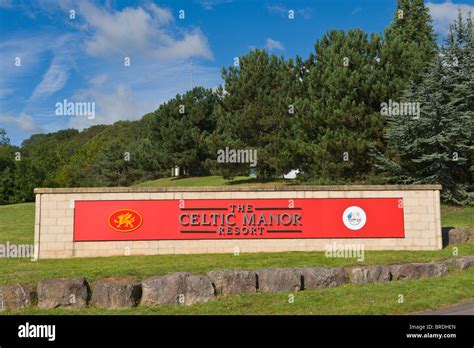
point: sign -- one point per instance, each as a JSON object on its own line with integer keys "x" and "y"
{"x": 238, "y": 219}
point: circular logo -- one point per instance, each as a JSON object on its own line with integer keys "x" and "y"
{"x": 125, "y": 220}
{"x": 354, "y": 218}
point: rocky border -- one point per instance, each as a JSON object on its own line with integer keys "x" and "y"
{"x": 187, "y": 289}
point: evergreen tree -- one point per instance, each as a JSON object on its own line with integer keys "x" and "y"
{"x": 438, "y": 146}
{"x": 180, "y": 128}
{"x": 4, "y": 140}
{"x": 255, "y": 112}
{"x": 408, "y": 48}
{"x": 340, "y": 119}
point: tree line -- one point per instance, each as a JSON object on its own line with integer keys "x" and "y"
{"x": 320, "y": 115}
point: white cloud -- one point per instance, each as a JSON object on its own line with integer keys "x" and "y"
{"x": 110, "y": 106}
{"x": 445, "y": 13}
{"x": 98, "y": 80}
{"x": 147, "y": 86}
{"x": 271, "y": 45}
{"x": 6, "y": 4}
{"x": 210, "y": 4}
{"x": 23, "y": 122}
{"x": 193, "y": 44}
{"x": 282, "y": 11}
{"x": 53, "y": 80}
{"x": 162, "y": 15}
{"x": 135, "y": 31}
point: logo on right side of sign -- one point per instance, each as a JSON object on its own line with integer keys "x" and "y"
{"x": 354, "y": 218}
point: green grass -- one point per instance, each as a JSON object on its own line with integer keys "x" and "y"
{"x": 382, "y": 298}
{"x": 210, "y": 181}
{"x": 17, "y": 223}
{"x": 27, "y": 271}
{"x": 452, "y": 216}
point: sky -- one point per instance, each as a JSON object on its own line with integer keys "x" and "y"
{"x": 49, "y": 54}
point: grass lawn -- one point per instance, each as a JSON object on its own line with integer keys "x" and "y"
{"x": 210, "y": 181}
{"x": 17, "y": 226}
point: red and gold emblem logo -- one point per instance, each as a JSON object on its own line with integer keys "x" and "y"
{"x": 125, "y": 220}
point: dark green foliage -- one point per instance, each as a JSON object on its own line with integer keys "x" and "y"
{"x": 341, "y": 119}
{"x": 253, "y": 114}
{"x": 180, "y": 127}
{"x": 438, "y": 146}
{"x": 408, "y": 48}
{"x": 4, "y": 140}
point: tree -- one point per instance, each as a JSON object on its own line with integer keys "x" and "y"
{"x": 180, "y": 128}
{"x": 438, "y": 146}
{"x": 408, "y": 47}
{"x": 255, "y": 112}
{"x": 341, "y": 120}
{"x": 4, "y": 140}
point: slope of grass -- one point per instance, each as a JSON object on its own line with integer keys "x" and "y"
{"x": 382, "y": 298}
{"x": 210, "y": 181}
{"x": 17, "y": 223}
{"x": 457, "y": 216}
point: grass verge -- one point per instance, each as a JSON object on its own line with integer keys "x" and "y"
{"x": 382, "y": 298}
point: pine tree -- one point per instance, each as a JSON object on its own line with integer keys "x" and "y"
{"x": 438, "y": 146}
{"x": 408, "y": 47}
{"x": 180, "y": 129}
{"x": 340, "y": 118}
{"x": 255, "y": 112}
{"x": 4, "y": 140}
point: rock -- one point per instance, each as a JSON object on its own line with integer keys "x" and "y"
{"x": 458, "y": 235}
{"x": 461, "y": 262}
{"x": 116, "y": 293}
{"x": 278, "y": 279}
{"x": 198, "y": 289}
{"x": 62, "y": 293}
{"x": 158, "y": 290}
{"x": 369, "y": 274}
{"x": 14, "y": 297}
{"x": 233, "y": 281}
{"x": 178, "y": 288}
{"x": 319, "y": 277}
{"x": 417, "y": 270}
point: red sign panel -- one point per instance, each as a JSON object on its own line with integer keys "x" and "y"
{"x": 238, "y": 219}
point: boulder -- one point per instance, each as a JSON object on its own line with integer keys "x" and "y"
{"x": 198, "y": 289}
{"x": 417, "y": 270}
{"x": 461, "y": 262}
{"x": 278, "y": 279}
{"x": 159, "y": 290}
{"x": 458, "y": 235}
{"x": 233, "y": 281}
{"x": 116, "y": 293}
{"x": 62, "y": 293}
{"x": 369, "y": 274}
{"x": 319, "y": 277}
{"x": 178, "y": 288}
{"x": 14, "y": 297}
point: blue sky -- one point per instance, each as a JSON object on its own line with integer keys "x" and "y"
{"x": 82, "y": 59}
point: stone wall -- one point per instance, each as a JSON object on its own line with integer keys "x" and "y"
{"x": 54, "y": 220}
{"x": 187, "y": 289}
